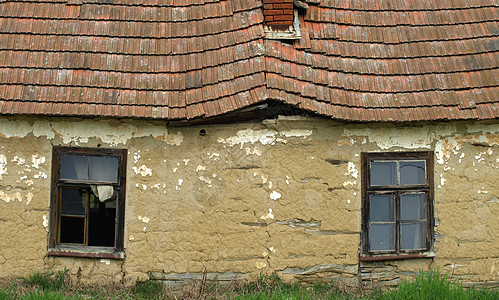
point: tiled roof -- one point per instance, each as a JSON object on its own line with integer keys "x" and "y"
{"x": 362, "y": 60}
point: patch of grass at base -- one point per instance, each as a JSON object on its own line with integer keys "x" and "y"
{"x": 49, "y": 280}
{"x": 147, "y": 290}
{"x": 436, "y": 286}
{"x": 44, "y": 285}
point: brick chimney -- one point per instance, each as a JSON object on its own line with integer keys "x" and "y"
{"x": 278, "y": 13}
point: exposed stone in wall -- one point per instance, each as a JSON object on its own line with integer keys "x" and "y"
{"x": 173, "y": 279}
{"x": 280, "y": 195}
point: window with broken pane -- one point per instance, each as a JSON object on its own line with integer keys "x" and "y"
{"x": 88, "y": 198}
{"x": 397, "y": 202}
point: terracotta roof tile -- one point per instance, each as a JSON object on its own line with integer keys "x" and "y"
{"x": 356, "y": 60}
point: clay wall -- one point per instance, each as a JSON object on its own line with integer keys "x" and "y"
{"x": 279, "y": 195}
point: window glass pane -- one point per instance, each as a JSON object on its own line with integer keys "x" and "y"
{"x": 412, "y": 172}
{"x": 413, "y": 206}
{"x": 73, "y": 202}
{"x": 383, "y": 173}
{"x": 381, "y": 208}
{"x": 72, "y": 230}
{"x": 381, "y": 237}
{"x": 74, "y": 167}
{"x": 104, "y": 169}
{"x": 412, "y": 236}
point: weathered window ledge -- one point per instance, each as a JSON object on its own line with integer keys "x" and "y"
{"x": 397, "y": 256}
{"x": 88, "y": 252}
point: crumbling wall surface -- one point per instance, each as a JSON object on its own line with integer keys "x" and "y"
{"x": 279, "y": 195}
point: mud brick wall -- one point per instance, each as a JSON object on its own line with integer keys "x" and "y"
{"x": 278, "y": 195}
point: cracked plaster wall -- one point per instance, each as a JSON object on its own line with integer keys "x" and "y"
{"x": 278, "y": 195}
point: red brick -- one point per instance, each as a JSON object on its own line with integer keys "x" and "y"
{"x": 283, "y": 6}
{"x": 283, "y": 18}
{"x": 269, "y": 18}
{"x": 273, "y": 12}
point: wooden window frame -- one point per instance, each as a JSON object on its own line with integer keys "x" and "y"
{"x": 367, "y": 189}
{"x": 59, "y": 249}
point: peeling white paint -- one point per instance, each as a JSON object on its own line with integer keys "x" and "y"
{"x": 275, "y": 195}
{"x": 264, "y": 136}
{"x": 260, "y": 265}
{"x": 3, "y": 165}
{"x": 409, "y": 138}
{"x": 12, "y": 197}
{"x": 45, "y": 222}
{"x": 296, "y": 133}
{"x": 180, "y": 181}
{"x": 255, "y": 151}
{"x": 270, "y": 215}
{"x": 186, "y": 161}
{"x": 485, "y": 128}
{"x": 105, "y": 261}
{"x": 36, "y": 162}
{"x": 200, "y": 168}
{"x": 29, "y": 197}
{"x": 136, "y": 157}
{"x": 347, "y": 183}
{"x": 144, "y": 219}
{"x": 444, "y": 148}
{"x": 144, "y": 187}
{"x": 215, "y": 156}
{"x": 142, "y": 170}
{"x": 442, "y": 180}
{"x": 175, "y": 170}
{"x": 205, "y": 180}
{"x": 131, "y": 238}
{"x": 18, "y": 160}
{"x": 74, "y": 131}
{"x": 351, "y": 170}
{"x": 40, "y": 175}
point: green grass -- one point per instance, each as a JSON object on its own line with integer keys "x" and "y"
{"x": 48, "y": 285}
{"x": 436, "y": 286}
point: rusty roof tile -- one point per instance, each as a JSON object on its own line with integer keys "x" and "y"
{"x": 428, "y": 55}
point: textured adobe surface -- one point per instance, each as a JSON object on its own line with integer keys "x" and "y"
{"x": 279, "y": 195}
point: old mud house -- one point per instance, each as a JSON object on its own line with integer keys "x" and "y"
{"x": 347, "y": 140}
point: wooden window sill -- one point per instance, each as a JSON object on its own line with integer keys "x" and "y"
{"x": 396, "y": 256}
{"x": 89, "y": 252}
